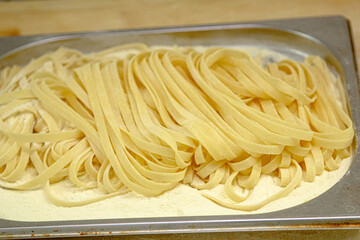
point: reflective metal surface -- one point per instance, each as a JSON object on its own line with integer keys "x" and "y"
{"x": 328, "y": 37}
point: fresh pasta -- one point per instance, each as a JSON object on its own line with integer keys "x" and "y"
{"x": 134, "y": 118}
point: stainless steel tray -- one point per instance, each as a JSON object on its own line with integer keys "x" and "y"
{"x": 328, "y": 37}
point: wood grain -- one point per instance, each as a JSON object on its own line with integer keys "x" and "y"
{"x": 83, "y": 15}
{"x": 59, "y": 16}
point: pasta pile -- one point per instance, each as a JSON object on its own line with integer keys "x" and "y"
{"x": 140, "y": 119}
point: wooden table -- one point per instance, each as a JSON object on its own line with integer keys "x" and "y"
{"x": 57, "y": 16}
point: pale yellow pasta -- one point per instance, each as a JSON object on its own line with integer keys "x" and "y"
{"x": 140, "y": 119}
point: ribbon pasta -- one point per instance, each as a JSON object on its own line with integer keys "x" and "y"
{"x": 133, "y": 118}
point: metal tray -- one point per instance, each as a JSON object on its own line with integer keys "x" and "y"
{"x": 328, "y": 37}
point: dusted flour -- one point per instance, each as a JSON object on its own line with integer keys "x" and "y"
{"x": 180, "y": 201}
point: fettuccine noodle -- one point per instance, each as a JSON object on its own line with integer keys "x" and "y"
{"x": 140, "y": 119}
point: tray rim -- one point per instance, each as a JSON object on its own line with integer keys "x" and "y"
{"x": 190, "y": 224}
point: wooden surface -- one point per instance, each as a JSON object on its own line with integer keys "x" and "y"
{"x": 57, "y": 16}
